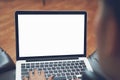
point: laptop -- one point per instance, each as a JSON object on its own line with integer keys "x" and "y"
{"x": 53, "y": 41}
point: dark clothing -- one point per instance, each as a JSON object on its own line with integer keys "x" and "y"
{"x": 92, "y": 76}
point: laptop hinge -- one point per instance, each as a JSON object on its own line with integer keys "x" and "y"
{"x": 51, "y": 59}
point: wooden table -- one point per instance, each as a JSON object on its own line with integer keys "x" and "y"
{"x": 43, "y": 1}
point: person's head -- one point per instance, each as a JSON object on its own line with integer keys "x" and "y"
{"x": 108, "y": 35}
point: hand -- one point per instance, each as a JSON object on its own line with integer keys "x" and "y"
{"x": 37, "y": 76}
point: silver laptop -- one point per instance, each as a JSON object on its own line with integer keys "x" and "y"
{"x": 53, "y": 41}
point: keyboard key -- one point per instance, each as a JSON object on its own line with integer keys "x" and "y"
{"x": 84, "y": 65}
{"x": 30, "y": 69}
{"x": 55, "y": 65}
{"x": 72, "y": 73}
{"x": 80, "y": 66}
{"x": 39, "y": 69}
{"x": 44, "y": 69}
{"x": 78, "y": 69}
{"x": 71, "y": 67}
{"x": 82, "y": 70}
{"x": 50, "y": 71}
{"x": 69, "y": 77}
{"x": 24, "y": 70}
{"x": 67, "y": 74}
{"x": 63, "y": 74}
{"x": 37, "y": 65}
{"x": 27, "y": 66}
{"x": 82, "y": 61}
{"x": 68, "y": 64}
{"x": 76, "y": 73}
{"x": 76, "y": 63}
{"x": 59, "y": 71}
{"x": 32, "y": 65}
{"x": 53, "y": 68}
{"x": 24, "y": 73}
{"x": 55, "y": 71}
{"x": 56, "y": 62}
{"x": 46, "y": 72}
{"x": 50, "y": 65}
{"x": 64, "y": 70}
{"x": 60, "y": 62}
{"x": 75, "y": 66}
{"x": 22, "y": 66}
{"x": 49, "y": 75}
{"x": 64, "y": 64}
{"x": 62, "y": 67}
{"x": 58, "y": 74}
{"x": 60, "y": 78}
{"x": 46, "y": 65}
{"x": 72, "y": 63}
{"x": 49, "y": 68}
{"x": 69, "y": 61}
{"x": 67, "y": 67}
{"x": 73, "y": 70}
{"x": 58, "y": 67}
{"x": 51, "y": 62}
{"x": 69, "y": 70}
{"x": 46, "y": 62}
{"x": 74, "y": 77}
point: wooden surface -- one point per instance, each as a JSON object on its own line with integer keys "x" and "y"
{"x": 7, "y": 19}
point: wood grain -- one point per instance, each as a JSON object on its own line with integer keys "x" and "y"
{"x": 7, "y": 18}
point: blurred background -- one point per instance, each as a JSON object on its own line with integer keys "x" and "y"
{"x": 7, "y": 19}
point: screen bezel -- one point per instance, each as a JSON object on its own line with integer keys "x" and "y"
{"x": 49, "y": 12}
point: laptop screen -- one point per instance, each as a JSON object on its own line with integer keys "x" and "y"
{"x": 50, "y": 33}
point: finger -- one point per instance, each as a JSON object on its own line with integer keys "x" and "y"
{"x": 50, "y": 78}
{"x": 24, "y": 78}
{"x": 30, "y": 75}
{"x": 42, "y": 73}
{"x": 36, "y": 72}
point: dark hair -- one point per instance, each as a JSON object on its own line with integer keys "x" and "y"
{"x": 115, "y": 6}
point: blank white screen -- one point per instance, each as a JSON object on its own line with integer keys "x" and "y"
{"x": 51, "y": 35}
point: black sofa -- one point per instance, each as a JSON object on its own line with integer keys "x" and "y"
{"x": 7, "y": 66}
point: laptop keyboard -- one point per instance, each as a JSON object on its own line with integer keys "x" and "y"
{"x": 64, "y": 70}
